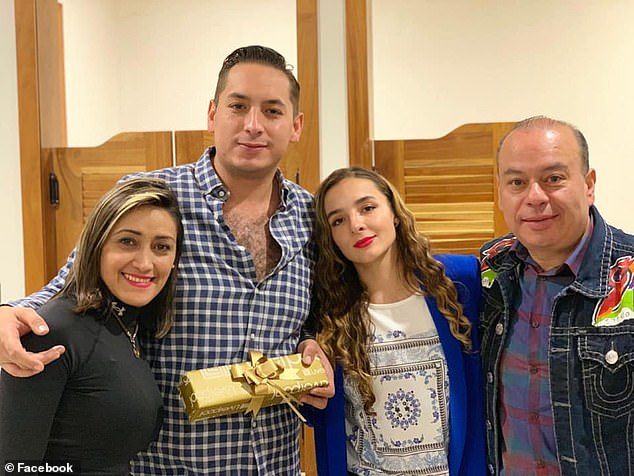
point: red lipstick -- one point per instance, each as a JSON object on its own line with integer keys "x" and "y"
{"x": 365, "y": 242}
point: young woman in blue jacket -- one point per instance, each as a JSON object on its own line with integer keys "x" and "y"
{"x": 401, "y": 327}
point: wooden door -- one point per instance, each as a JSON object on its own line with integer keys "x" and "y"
{"x": 449, "y": 183}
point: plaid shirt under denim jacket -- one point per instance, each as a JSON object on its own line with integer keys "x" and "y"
{"x": 591, "y": 352}
{"x": 222, "y": 312}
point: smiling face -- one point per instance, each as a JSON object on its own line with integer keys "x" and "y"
{"x": 544, "y": 194}
{"x": 361, "y": 221}
{"x": 253, "y": 122}
{"x": 138, "y": 255}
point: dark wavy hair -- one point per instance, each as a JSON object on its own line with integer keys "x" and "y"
{"x": 84, "y": 282}
{"x": 344, "y": 329}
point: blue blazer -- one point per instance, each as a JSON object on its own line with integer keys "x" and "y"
{"x": 467, "y": 454}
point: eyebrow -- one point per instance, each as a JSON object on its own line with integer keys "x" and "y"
{"x": 138, "y": 233}
{"x": 244, "y": 97}
{"x": 551, "y": 168}
{"x": 356, "y": 202}
{"x": 126, "y": 230}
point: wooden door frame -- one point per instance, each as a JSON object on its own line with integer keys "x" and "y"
{"x": 357, "y": 68}
{"x": 308, "y": 77}
{"x": 37, "y": 215}
{"x": 35, "y": 163}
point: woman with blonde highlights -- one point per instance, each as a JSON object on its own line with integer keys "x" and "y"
{"x": 400, "y": 326}
{"x": 98, "y": 404}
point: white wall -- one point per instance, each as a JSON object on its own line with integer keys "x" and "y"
{"x": 11, "y": 252}
{"x": 435, "y": 65}
{"x": 333, "y": 99}
{"x": 91, "y": 61}
{"x": 440, "y": 64}
{"x": 152, "y": 65}
{"x": 121, "y": 71}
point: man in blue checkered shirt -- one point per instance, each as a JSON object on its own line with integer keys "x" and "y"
{"x": 244, "y": 277}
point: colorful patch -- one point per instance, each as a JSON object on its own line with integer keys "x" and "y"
{"x": 618, "y": 306}
{"x": 487, "y": 275}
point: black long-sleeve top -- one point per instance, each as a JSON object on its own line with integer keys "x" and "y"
{"x": 97, "y": 405}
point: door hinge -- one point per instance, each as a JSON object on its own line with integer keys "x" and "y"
{"x": 53, "y": 190}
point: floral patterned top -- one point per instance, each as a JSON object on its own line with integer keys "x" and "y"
{"x": 409, "y": 434}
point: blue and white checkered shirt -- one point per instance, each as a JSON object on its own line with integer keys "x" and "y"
{"x": 222, "y": 313}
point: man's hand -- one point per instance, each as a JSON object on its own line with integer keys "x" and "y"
{"x": 14, "y": 359}
{"x": 317, "y": 397}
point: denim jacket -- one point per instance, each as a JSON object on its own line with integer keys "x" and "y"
{"x": 591, "y": 352}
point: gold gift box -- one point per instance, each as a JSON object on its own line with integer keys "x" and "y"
{"x": 248, "y": 386}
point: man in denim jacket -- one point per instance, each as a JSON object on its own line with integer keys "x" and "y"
{"x": 557, "y": 324}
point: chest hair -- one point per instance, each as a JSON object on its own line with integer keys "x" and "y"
{"x": 253, "y": 233}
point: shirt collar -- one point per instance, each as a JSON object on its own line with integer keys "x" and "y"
{"x": 211, "y": 184}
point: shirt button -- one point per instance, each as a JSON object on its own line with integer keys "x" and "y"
{"x": 533, "y": 417}
{"x": 489, "y": 425}
{"x": 535, "y": 324}
{"x": 252, "y": 335}
{"x": 499, "y": 328}
{"x": 489, "y": 377}
{"x": 491, "y": 469}
{"x": 254, "y": 424}
{"x": 534, "y": 370}
{"x": 611, "y": 357}
{"x": 540, "y": 464}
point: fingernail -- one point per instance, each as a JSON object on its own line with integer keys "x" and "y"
{"x": 41, "y": 328}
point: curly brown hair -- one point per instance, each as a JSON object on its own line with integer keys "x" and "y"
{"x": 344, "y": 329}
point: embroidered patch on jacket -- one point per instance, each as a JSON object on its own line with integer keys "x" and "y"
{"x": 618, "y": 306}
{"x": 487, "y": 275}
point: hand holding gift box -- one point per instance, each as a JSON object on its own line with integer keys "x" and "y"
{"x": 249, "y": 386}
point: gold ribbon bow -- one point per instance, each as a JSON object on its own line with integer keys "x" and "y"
{"x": 261, "y": 373}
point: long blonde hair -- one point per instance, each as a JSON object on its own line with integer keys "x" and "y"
{"x": 341, "y": 300}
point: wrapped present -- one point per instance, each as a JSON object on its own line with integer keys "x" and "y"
{"x": 249, "y": 386}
